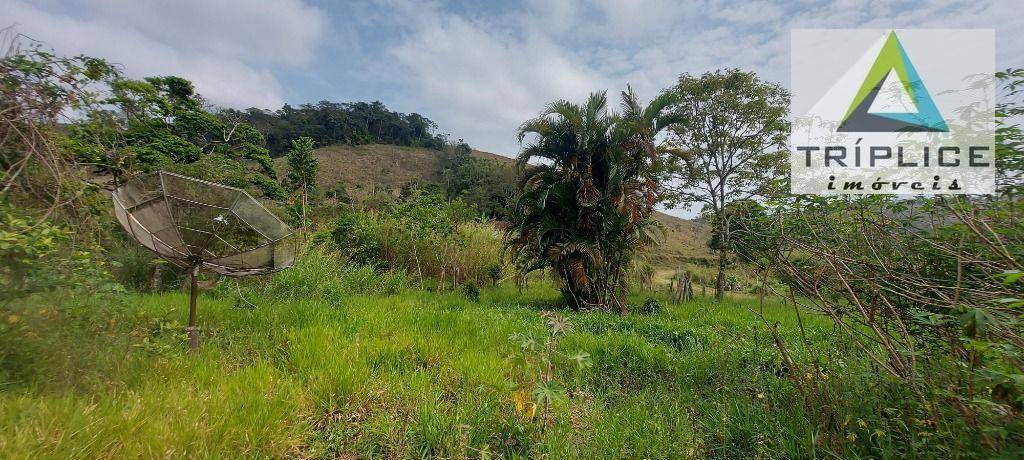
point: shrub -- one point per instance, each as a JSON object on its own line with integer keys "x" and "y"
{"x": 734, "y": 282}
{"x": 425, "y": 236}
{"x": 270, "y": 188}
{"x": 340, "y": 193}
{"x": 957, "y": 331}
{"x": 38, "y": 256}
{"x": 471, "y": 291}
{"x": 137, "y": 268}
{"x": 494, "y": 273}
{"x": 651, "y": 306}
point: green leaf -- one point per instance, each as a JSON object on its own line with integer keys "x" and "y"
{"x": 1012, "y": 276}
{"x": 582, "y": 359}
{"x": 975, "y": 322}
{"x": 1011, "y": 302}
{"x": 548, "y": 392}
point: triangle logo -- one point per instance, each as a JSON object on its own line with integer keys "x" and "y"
{"x": 892, "y": 68}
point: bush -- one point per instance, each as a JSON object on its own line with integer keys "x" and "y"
{"x": 956, "y": 331}
{"x": 478, "y": 255}
{"x": 494, "y": 273}
{"x": 651, "y": 306}
{"x": 39, "y": 256}
{"x": 135, "y": 268}
{"x": 471, "y": 291}
{"x": 425, "y": 236}
{"x": 340, "y": 193}
{"x": 734, "y": 283}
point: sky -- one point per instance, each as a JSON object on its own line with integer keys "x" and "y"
{"x": 477, "y": 68}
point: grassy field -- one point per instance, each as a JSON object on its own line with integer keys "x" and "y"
{"x": 306, "y": 372}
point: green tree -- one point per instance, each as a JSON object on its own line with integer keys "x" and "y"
{"x": 161, "y": 123}
{"x": 1009, "y": 136}
{"x": 748, "y": 225}
{"x": 729, "y": 141}
{"x": 43, "y": 192}
{"x": 302, "y": 166}
{"x": 352, "y": 123}
{"x": 484, "y": 183}
{"x": 585, "y": 210}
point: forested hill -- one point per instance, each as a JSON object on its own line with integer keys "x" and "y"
{"x": 350, "y": 123}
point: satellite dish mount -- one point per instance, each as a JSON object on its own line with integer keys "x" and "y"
{"x": 197, "y": 224}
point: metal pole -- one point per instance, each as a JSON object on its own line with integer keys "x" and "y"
{"x": 193, "y": 293}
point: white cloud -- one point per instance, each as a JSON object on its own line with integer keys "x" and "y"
{"x": 482, "y": 83}
{"x": 641, "y": 18}
{"x": 226, "y": 48}
{"x": 481, "y": 76}
{"x": 281, "y": 31}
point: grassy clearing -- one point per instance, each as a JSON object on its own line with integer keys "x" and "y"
{"x": 414, "y": 374}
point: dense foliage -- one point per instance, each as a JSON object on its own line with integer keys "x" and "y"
{"x": 352, "y": 123}
{"x": 929, "y": 289}
{"x": 424, "y": 235}
{"x": 486, "y": 184}
{"x": 161, "y": 123}
{"x": 51, "y": 219}
{"x": 585, "y": 210}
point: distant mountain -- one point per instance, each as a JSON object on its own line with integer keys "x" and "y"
{"x": 363, "y": 168}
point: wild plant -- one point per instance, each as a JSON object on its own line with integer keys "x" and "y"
{"x": 542, "y": 352}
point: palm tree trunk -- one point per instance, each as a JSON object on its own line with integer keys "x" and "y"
{"x": 621, "y": 296}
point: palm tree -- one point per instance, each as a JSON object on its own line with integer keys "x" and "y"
{"x": 584, "y": 211}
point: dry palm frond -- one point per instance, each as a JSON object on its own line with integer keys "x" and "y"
{"x": 578, "y": 271}
{"x": 588, "y": 193}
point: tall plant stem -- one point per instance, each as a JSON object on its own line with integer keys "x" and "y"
{"x": 193, "y": 294}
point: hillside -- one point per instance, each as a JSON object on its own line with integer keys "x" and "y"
{"x": 685, "y": 240}
{"x": 365, "y": 167}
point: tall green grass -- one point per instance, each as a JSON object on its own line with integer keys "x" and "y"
{"x": 321, "y": 366}
{"x": 322, "y": 274}
{"x": 426, "y": 236}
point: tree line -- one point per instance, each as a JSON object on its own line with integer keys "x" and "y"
{"x": 351, "y": 123}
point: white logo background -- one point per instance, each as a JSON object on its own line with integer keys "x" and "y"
{"x": 828, "y": 68}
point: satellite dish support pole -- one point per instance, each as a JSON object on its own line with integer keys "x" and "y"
{"x": 193, "y": 294}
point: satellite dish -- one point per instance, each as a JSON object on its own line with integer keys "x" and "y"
{"x": 198, "y": 224}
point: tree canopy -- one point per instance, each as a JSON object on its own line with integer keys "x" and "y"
{"x": 730, "y": 137}
{"x": 585, "y": 210}
{"x": 352, "y": 123}
{"x": 161, "y": 123}
{"x": 486, "y": 184}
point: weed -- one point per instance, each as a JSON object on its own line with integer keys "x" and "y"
{"x": 651, "y": 306}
